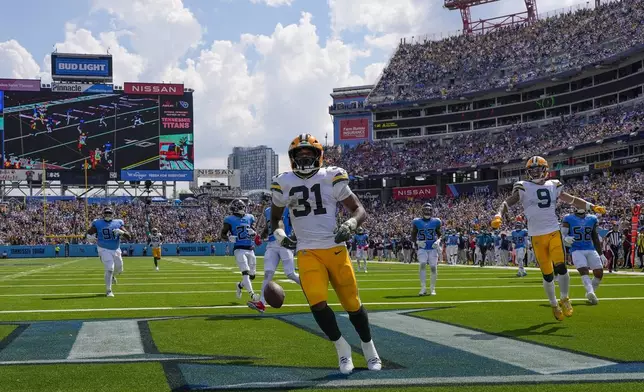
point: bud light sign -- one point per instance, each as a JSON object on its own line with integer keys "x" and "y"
{"x": 81, "y": 67}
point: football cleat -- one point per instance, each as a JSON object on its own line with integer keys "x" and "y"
{"x": 157, "y": 268}
{"x": 257, "y": 305}
{"x": 109, "y": 294}
{"x": 558, "y": 313}
{"x": 592, "y": 298}
{"x": 433, "y": 292}
{"x": 566, "y": 306}
{"x": 371, "y": 355}
{"x": 345, "y": 361}
{"x": 239, "y": 291}
{"x": 422, "y": 292}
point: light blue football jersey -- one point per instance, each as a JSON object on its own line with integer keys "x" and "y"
{"x": 105, "y": 237}
{"x": 519, "y": 238}
{"x": 581, "y": 229}
{"x": 286, "y": 218}
{"x": 361, "y": 239}
{"x": 239, "y": 226}
{"x": 427, "y": 230}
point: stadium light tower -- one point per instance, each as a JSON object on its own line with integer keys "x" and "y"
{"x": 486, "y": 25}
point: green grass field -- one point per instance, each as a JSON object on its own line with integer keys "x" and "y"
{"x": 182, "y": 328}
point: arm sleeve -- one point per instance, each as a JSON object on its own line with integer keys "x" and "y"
{"x": 340, "y": 183}
{"x": 277, "y": 193}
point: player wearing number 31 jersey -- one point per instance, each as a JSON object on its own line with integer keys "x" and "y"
{"x": 538, "y": 197}
{"x": 311, "y": 193}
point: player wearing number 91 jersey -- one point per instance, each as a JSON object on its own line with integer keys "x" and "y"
{"x": 538, "y": 197}
{"x": 108, "y": 233}
{"x": 311, "y": 193}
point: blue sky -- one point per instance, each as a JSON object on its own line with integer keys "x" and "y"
{"x": 260, "y": 89}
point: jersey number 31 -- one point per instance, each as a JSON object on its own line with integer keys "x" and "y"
{"x": 303, "y": 207}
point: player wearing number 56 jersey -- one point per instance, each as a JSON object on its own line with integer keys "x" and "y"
{"x": 312, "y": 192}
{"x": 239, "y": 228}
{"x": 108, "y": 232}
{"x": 580, "y": 234}
{"x": 426, "y": 233}
{"x": 538, "y": 197}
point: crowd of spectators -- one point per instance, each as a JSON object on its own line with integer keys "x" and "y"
{"x": 505, "y": 57}
{"x": 25, "y": 224}
{"x": 464, "y": 150}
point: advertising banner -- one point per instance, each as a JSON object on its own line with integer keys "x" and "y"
{"x": 368, "y": 195}
{"x": 81, "y": 67}
{"x": 214, "y": 172}
{"x": 176, "y": 115}
{"x": 574, "y": 170}
{"x": 603, "y": 165}
{"x": 153, "y": 88}
{"x": 21, "y": 175}
{"x": 471, "y": 188}
{"x": 415, "y": 192}
{"x": 157, "y": 175}
{"x": 88, "y": 88}
{"x": 509, "y": 180}
{"x": 355, "y": 128}
{"x": 20, "y": 84}
{"x": 1, "y": 101}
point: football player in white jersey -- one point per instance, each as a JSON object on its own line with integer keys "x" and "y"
{"x": 312, "y": 193}
{"x": 538, "y": 197}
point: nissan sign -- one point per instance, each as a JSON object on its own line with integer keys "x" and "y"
{"x": 153, "y": 88}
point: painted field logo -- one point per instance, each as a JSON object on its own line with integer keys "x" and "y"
{"x": 415, "y": 351}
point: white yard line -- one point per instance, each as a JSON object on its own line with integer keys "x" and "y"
{"x": 299, "y": 290}
{"x": 302, "y": 305}
{"x": 36, "y": 270}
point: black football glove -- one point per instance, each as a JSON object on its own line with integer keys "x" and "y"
{"x": 344, "y": 231}
{"x": 289, "y": 242}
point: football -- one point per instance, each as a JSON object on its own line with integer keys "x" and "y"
{"x": 274, "y": 294}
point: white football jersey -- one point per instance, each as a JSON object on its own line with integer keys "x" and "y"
{"x": 312, "y": 204}
{"x": 155, "y": 240}
{"x": 539, "y": 205}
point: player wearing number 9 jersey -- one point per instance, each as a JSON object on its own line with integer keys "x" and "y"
{"x": 311, "y": 193}
{"x": 538, "y": 197}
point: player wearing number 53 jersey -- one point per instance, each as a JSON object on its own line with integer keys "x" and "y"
{"x": 311, "y": 193}
{"x": 538, "y": 197}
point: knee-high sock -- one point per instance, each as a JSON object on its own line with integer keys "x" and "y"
{"x": 564, "y": 285}
{"x": 423, "y": 274}
{"x": 108, "y": 279}
{"x": 327, "y": 323}
{"x": 433, "y": 273}
{"x": 588, "y": 284}
{"x": 360, "y": 321}
{"x": 550, "y": 292}
{"x": 245, "y": 282}
{"x": 596, "y": 282}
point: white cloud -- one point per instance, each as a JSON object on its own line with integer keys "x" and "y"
{"x": 273, "y": 3}
{"x": 285, "y": 94}
{"x": 127, "y": 66}
{"x": 162, "y": 30}
{"x": 16, "y": 62}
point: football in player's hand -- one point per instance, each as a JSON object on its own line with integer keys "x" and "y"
{"x": 274, "y": 294}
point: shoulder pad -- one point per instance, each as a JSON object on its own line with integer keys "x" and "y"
{"x": 338, "y": 174}
{"x": 557, "y": 183}
{"x": 518, "y": 186}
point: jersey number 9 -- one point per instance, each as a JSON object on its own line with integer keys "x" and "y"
{"x": 544, "y": 198}
{"x": 107, "y": 234}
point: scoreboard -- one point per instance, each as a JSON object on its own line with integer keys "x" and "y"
{"x": 119, "y": 136}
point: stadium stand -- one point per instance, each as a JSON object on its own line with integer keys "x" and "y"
{"x": 502, "y": 59}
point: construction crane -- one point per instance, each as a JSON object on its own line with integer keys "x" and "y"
{"x": 486, "y": 25}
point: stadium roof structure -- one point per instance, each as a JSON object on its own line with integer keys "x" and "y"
{"x": 347, "y": 92}
{"x": 486, "y": 25}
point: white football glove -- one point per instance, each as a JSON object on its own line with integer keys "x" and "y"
{"x": 251, "y": 232}
{"x": 90, "y": 237}
{"x": 436, "y": 244}
{"x": 421, "y": 244}
{"x": 568, "y": 240}
{"x": 344, "y": 231}
{"x": 118, "y": 232}
{"x": 279, "y": 235}
{"x": 232, "y": 238}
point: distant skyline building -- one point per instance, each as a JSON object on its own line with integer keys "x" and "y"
{"x": 257, "y": 166}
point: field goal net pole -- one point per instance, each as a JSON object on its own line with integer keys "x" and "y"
{"x": 637, "y": 210}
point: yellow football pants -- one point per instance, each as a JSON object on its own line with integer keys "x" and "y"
{"x": 549, "y": 251}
